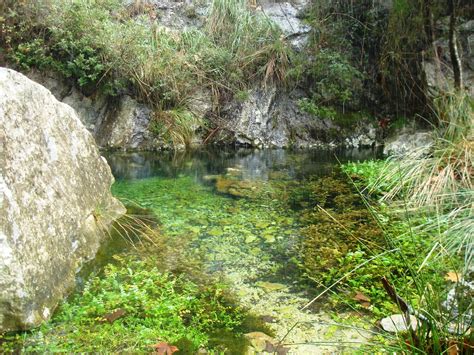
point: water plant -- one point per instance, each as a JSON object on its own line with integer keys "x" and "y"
{"x": 144, "y": 306}
{"x": 430, "y": 189}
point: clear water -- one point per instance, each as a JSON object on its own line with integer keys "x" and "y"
{"x": 226, "y": 213}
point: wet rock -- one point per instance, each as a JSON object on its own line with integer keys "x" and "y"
{"x": 397, "y": 323}
{"x": 237, "y": 188}
{"x": 259, "y": 340}
{"x": 262, "y": 343}
{"x": 55, "y": 200}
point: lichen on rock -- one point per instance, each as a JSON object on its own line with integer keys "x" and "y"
{"x": 55, "y": 200}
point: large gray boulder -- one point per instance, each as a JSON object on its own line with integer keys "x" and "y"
{"x": 55, "y": 200}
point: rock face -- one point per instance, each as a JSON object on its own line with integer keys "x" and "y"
{"x": 286, "y": 16}
{"x": 127, "y": 127}
{"x": 270, "y": 118}
{"x": 438, "y": 69}
{"x": 55, "y": 200}
{"x": 116, "y": 124}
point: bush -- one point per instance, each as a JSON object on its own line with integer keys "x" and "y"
{"x": 102, "y": 45}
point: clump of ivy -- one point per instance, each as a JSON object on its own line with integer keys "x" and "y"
{"x": 153, "y": 307}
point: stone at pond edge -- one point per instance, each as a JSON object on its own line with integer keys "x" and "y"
{"x": 54, "y": 200}
{"x": 397, "y": 323}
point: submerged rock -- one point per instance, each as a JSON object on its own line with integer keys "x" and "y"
{"x": 270, "y": 286}
{"x": 237, "y": 188}
{"x": 55, "y": 200}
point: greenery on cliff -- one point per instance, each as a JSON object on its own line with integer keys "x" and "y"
{"x": 359, "y": 56}
{"x": 108, "y": 46}
{"x": 407, "y": 221}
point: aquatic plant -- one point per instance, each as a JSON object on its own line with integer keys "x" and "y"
{"x": 135, "y": 300}
{"x": 430, "y": 190}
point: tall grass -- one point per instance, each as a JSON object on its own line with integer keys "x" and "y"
{"x": 434, "y": 184}
{"x": 438, "y": 180}
{"x": 257, "y": 44}
{"x": 103, "y": 45}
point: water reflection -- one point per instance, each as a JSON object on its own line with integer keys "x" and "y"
{"x": 251, "y": 164}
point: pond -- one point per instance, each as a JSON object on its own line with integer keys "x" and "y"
{"x": 227, "y": 213}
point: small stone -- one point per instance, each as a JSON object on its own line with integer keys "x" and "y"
{"x": 215, "y": 232}
{"x": 270, "y": 286}
{"x": 269, "y": 238}
{"x": 262, "y": 224}
{"x": 258, "y": 340}
{"x": 250, "y": 239}
{"x": 397, "y": 323}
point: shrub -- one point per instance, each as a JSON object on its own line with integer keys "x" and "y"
{"x": 102, "y": 45}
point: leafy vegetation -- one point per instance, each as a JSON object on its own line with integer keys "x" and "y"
{"x": 341, "y": 234}
{"x": 432, "y": 190}
{"x": 133, "y": 306}
{"x": 106, "y": 45}
{"x": 103, "y": 45}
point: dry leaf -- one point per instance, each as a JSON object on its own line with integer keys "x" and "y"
{"x": 452, "y": 276}
{"x": 113, "y": 316}
{"x": 360, "y": 297}
{"x": 453, "y": 348}
{"x": 163, "y": 348}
